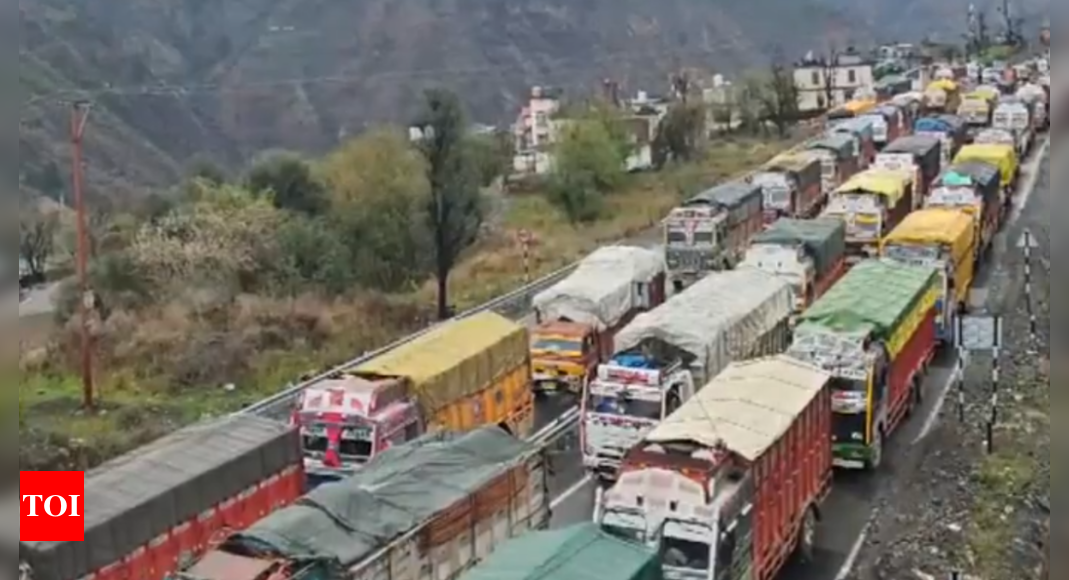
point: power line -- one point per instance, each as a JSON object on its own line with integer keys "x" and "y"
{"x": 550, "y": 68}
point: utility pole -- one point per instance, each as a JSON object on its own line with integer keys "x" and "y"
{"x": 79, "y": 118}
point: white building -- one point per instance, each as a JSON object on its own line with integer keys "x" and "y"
{"x": 534, "y": 131}
{"x": 849, "y": 77}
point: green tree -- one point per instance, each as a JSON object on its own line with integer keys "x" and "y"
{"x": 492, "y": 154}
{"x": 313, "y": 255}
{"x": 291, "y": 183}
{"x": 37, "y": 239}
{"x": 681, "y": 134}
{"x": 379, "y": 191}
{"x": 455, "y": 209}
{"x": 589, "y": 159}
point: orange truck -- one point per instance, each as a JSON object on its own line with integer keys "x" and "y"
{"x": 578, "y": 318}
{"x": 462, "y": 375}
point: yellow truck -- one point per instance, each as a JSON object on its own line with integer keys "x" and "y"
{"x": 946, "y": 239}
{"x": 1003, "y": 156}
{"x": 871, "y": 204}
{"x": 462, "y": 375}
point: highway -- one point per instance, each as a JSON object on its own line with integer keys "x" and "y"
{"x": 852, "y": 505}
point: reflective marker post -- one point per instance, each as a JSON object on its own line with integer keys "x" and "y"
{"x": 1027, "y": 244}
{"x": 980, "y": 334}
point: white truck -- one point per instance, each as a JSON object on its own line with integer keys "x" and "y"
{"x": 428, "y": 509}
{"x": 1015, "y": 117}
{"x": 1036, "y": 98}
{"x": 664, "y": 353}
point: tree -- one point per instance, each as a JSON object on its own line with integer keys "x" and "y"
{"x": 291, "y": 183}
{"x": 681, "y": 134}
{"x": 492, "y": 153}
{"x": 777, "y": 95}
{"x": 829, "y": 76}
{"x": 379, "y": 194}
{"x": 37, "y": 232}
{"x": 589, "y": 159}
{"x": 455, "y": 208}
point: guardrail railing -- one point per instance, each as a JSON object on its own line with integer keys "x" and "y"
{"x": 514, "y": 305}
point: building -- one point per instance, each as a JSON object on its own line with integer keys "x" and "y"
{"x": 534, "y": 131}
{"x": 850, "y": 76}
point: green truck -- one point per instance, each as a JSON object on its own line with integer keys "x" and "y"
{"x": 875, "y": 332}
{"x": 581, "y": 552}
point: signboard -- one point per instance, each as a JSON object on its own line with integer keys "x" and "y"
{"x": 979, "y": 333}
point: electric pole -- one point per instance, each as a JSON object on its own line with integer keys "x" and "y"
{"x": 79, "y": 118}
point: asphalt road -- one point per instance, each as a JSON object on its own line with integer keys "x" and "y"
{"x": 851, "y": 506}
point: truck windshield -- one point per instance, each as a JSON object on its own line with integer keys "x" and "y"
{"x": 919, "y": 254}
{"x": 676, "y": 237}
{"x": 703, "y": 238}
{"x": 624, "y": 405}
{"x": 843, "y": 385}
{"x": 557, "y": 345}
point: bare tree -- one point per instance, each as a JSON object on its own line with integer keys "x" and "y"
{"x": 37, "y": 233}
{"x": 829, "y": 75}
{"x": 777, "y": 95}
{"x": 455, "y": 210}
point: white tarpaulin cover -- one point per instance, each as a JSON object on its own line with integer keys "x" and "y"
{"x": 716, "y": 320}
{"x": 603, "y": 288}
{"x": 747, "y": 408}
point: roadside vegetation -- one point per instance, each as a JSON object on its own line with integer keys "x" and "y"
{"x": 211, "y": 296}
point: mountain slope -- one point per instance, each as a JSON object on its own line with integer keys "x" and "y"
{"x": 364, "y": 62}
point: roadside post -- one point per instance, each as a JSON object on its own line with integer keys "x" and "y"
{"x": 980, "y": 334}
{"x": 1027, "y": 244}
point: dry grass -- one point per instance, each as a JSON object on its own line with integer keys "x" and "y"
{"x": 170, "y": 366}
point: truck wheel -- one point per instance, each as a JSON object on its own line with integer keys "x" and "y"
{"x": 807, "y": 537}
{"x": 876, "y": 460}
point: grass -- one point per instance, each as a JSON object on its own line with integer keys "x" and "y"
{"x": 136, "y": 406}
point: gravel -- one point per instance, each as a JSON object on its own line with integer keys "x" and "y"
{"x": 952, "y": 506}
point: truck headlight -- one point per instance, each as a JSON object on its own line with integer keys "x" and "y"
{"x": 857, "y": 436}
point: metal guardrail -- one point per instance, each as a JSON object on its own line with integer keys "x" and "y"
{"x": 514, "y": 305}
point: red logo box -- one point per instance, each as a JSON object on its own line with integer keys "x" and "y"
{"x": 53, "y": 506}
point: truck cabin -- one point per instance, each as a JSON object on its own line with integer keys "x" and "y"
{"x": 346, "y": 420}
{"x": 695, "y": 231}
{"x": 687, "y": 500}
{"x": 565, "y": 349}
{"x": 782, "y": 181}
{"x": 921, "y": 155}
{"x": 634, "y": 384}
{"x": 967, "y": 187}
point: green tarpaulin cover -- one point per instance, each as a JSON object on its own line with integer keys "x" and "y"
{"x": 824, "y": 239}
{"x": 581, "y": 552}
{"x": 873, "y": 297}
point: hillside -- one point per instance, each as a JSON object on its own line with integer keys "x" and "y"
{"x": 366, "y": 62}
{"x": 943, "y": 20}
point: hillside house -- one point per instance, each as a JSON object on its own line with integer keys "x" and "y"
{"x": 534, "y": 132}
{"x": 850, "y": 76}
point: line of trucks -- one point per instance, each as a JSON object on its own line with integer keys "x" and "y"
{"x": 792, "y": 348}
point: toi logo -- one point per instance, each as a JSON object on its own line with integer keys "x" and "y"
{"x": 53, "y": 506}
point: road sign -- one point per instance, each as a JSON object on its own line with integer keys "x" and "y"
{"x": 1027, "y": 241}
{"x": 979, "y": 333}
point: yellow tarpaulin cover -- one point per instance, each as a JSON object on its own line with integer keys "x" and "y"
{"x": 1002, "y": 156}
{"x": 455, "y": 360}
{"x": 987, "y": 93}
{"x": 890, "y": 184}
{"x": 943, "y": 85}
{"x": 860, "y": 106}
{"x": 943, "y": 226}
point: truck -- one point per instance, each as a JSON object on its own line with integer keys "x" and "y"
{"x": 863, "y": 132}
{"x": 1016, "y": 118}
{"x": 174, "y": 499}
{"x": 976, "y": 109}
{"x": 871, "y": 204}
{"x": 919, "y": 155}
{"x": 665, "y": 353}
{"x": 951, "y": 131}
{"x": 975, "y": 188}
{"x": 708, "y": 487}
{"x": 578, "y": 317}
{"x": 464, "y": 374}
{"x": 1036, "y": 98}
{"x": 792, "y": 186}
{"x": 430, "y": 508}
{"x": 809, "y": 254}
{"x": 710, "y": 231}
{"x": 874, "y": 332}
{"x": 839, "y": 159}
{"x": 579, "y": 552}
{"x": 1001, "y": 155}
{"x": 944, "y": 239}
{"x": 942, "y": 96}
{"x": 888, "y": 124}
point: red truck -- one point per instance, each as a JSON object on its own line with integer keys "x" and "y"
{"x": 578, "y": 318}
{"x": 735, "y": 478}
{"x": 151, "y": 511}
{"x": 792, "y": 185}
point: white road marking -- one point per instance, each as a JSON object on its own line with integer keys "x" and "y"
{"x": 1034, "y": 165}
{"x": 933, "y": 417}
{"x": 568, "y": 493}
{"x": 855, "y": 553}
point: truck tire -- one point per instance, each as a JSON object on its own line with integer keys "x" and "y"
{"x": 807, "y": 537}
{"x": 874, "y": 463}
